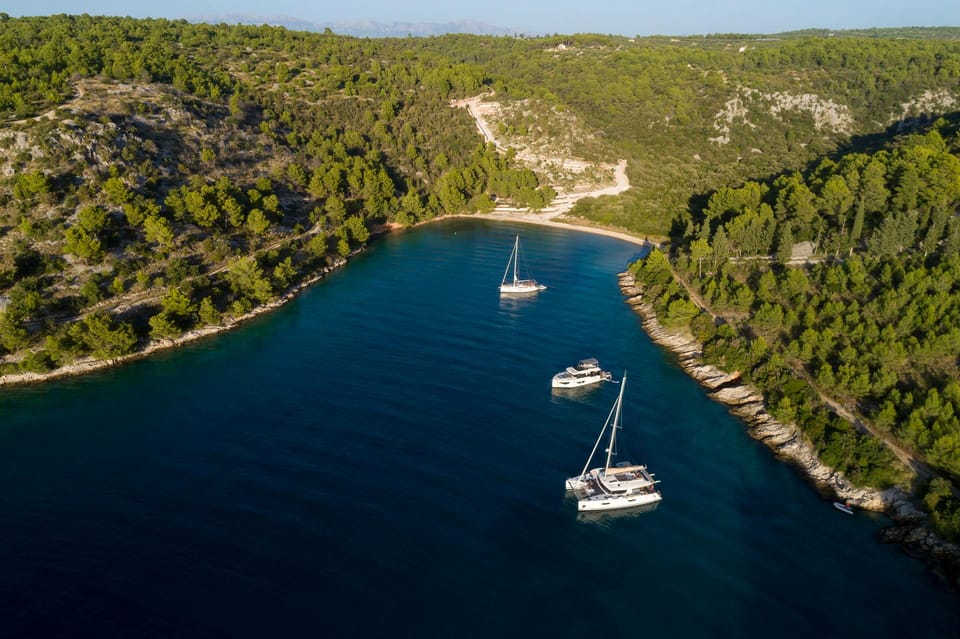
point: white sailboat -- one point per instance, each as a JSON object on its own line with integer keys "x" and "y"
{"x": 623, "y": 485}
{"x": 517, "y": 285}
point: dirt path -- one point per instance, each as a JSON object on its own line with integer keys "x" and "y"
{"x": 475, "y": 108}
{"x": 565, "y": 201}
{"x": 126, "y": 301}
{"x": 694, "y": 295}
{"x": 919, "y": 467}
{"x": 49, "y": 114}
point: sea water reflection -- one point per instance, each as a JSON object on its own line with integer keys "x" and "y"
{"x": 609, "y": 517}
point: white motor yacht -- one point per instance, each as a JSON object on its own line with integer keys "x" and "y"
{"x": 587, "y": 371}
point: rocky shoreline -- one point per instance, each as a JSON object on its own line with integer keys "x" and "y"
{"x": 89, "y": 364}
{"x": 788, "y": 444}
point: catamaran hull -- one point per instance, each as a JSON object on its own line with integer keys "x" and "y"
{"x": 611, "y": 502}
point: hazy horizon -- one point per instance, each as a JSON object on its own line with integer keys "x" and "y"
{"x": 618, "y": 17}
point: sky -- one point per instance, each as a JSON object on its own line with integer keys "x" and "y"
{"x": 535, "y": 17}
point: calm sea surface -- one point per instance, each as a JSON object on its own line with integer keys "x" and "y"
{"x": 384, "y": 457}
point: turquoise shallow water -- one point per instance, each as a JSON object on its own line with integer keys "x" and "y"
{"x": 384, "y": 456}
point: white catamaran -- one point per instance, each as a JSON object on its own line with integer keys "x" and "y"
{"x": 623, "y": 485}
{"x": 517, "y": 285}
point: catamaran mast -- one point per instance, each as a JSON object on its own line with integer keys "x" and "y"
{"x": 616, "y": 423}
{"x": 583, "y": 473}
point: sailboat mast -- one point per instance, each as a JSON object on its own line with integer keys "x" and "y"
{"x": 616, "y": 422}
{"x": 516, "y": 258}
{"x": 507, "y": 270}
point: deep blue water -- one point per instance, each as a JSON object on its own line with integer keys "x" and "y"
{"x": 384, "y": 456}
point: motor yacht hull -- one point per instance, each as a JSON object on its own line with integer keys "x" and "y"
{"x": 575, "y": 383}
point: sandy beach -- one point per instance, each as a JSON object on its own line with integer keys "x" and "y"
{"x": 532, "y": 218}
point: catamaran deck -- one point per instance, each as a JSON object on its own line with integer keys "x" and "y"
{"x": 629, "y": 486}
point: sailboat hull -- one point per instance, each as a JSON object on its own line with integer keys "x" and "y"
{"x": 521, "y": 288}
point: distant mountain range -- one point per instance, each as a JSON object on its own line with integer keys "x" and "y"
{"x": 362, "y": 29}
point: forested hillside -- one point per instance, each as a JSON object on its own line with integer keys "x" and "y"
{"x": 159, "y": 176}
{"x": 870, "y": 319}
{"x": 188, "y": 173}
